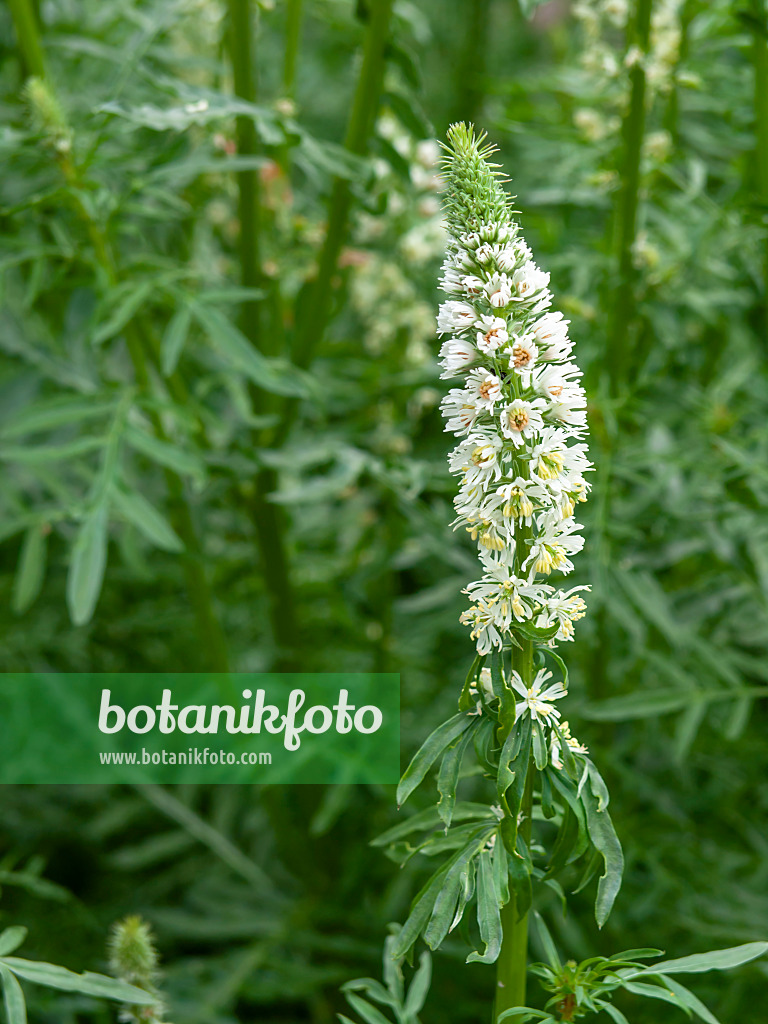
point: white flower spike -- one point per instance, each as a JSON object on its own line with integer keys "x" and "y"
{"x": 520, "y": 413}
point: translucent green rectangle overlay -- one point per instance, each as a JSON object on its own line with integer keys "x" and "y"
{"x": 171, "y": 728}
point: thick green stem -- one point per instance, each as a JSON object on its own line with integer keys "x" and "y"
{"x": 365, "y": 105}
{"x": 512, "y": 965}
{"x": 633, "y": 132}
{"x": 28, "y": 36}
{"x": 760, "y": 61}
{"x": 268, "y": 519}
{"x": 211, "y": 636}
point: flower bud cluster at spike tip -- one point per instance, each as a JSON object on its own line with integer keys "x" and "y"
{"x": 520, "y": 413}
{"x": 133, "y": 959}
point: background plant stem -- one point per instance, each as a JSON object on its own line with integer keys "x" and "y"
{"x": 633, "y": 131}
{"x": 365, "y": 105}
{"x": 268, "y": 519}
{"x": 293, "y": 16}
{"x": 28, "y": 36}
{"x": 760, "y": 62}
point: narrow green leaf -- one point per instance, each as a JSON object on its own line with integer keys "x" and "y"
{"x": 56, "y": 412}
{"x": 123, "y": 312}
{"x": 174, "y": 337}
{"x": 87, "y": 565}
{"x": 550, "y": 950}
{"x": 687, "y": 998}
{"x": 448, "y": 776}
{"x": 145, "y": 517}
{"x": 429, "y": 819}
{"x": 31, "y": 570}
{"x": 164, "y": 453}
{"x": 13, "y": 997}
{"x": 88, "y": 984}
{"x": 235, "y": 349}
{"x": 429, "y": 751}
{"x": 606, "y": 842}
{"x": 614, "y": 1013}
{"x": 419, "y": 988}
{"x": 11, "y": 938}
{"x": 716, "y": 960}
{"x": 368, "y": 1012}
{"x": 488, "y": 916}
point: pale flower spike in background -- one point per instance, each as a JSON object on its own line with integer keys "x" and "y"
{"x": 520, "y": 413}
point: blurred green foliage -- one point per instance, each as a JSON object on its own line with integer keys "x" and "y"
{"x": 177, "y": 493}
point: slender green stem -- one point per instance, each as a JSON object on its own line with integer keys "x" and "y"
{"x": 633, "y": 131}
{"x": 760, "y": 61}
{"x": 512, "y": 965}
{"x": 365, "y": 105}
{"x": 293, "y": 16}
{"x": 241, "y": 45}
{"x": 201, "y": 599}
{"x": 28, "y": 36}
{"x": 268, "y": 519}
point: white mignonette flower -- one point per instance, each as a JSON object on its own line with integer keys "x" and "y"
{"x": 551, "y": 334}
{"x": 499, "y": 289}
{"x": 521, "y": 419}
{"x": 519, "y": 497}
{"x": 520, "y": 412}
{"x": 523, "y": 353}
{"x": 565, "y": 607}
{"x": 478, "y": 459}
{"x": 460, "y": 409}
{"x": 528, "y": 282}
{"x": 485, "y": 388}
{"x": 556, "y": 750}
{"x": 455, "y": 316}
{"x": 492, "y": 334}
{"x": 511, "y": 597}
{"x": 456, "y": 354}
{"x": 556, "y": 540}
{"x": 537, "y": 700}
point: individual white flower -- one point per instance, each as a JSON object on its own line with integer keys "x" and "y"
{"x": 456, "y": 354}
{"x": 484, "y": 631}
{"x": 472, "y": 286}
{"x": 523, "y": 352}
{"x": 499, "y": 290}
{"x": 478, "y": 459}
{"x": 555, "y": 541}
{"x": 555, "y": 748}
{"x": 485, "y": 388}
{"x": 537, "y": 700}
{"x": 492, "y": 334}
{"x": 455, "y": 316}
{"x": 489, "y": 531}
{"x": 518, "y": 497}
{"x": 460, "y": 409}
{"x": 521, "y": 419}
{"x": 565, "y": 607}
{"x": 511, "y": 598}
{"x": 528, "y": 282}
{"x": 551, "y": 334}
